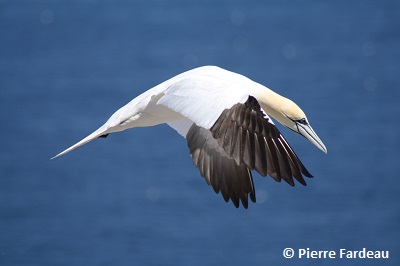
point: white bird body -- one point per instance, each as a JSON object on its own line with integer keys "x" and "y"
{"x": 192, "y": 103}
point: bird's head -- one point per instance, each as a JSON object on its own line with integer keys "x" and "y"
{"x": 290, "y": 115}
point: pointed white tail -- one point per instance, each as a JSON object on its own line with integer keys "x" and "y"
{"x": 99, "y": 132}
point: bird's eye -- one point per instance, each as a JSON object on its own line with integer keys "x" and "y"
{"x": 302, "y": 121}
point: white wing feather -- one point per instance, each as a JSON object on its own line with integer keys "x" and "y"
{"x": 203, "y": 99}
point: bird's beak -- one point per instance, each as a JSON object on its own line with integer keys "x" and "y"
{"x": 307, "y": 132}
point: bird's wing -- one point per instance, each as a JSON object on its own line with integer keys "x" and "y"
{"x": 248, "y": 136}
{"x": 218, "y": 169}
{"x": 202, "y": 99}
{"x": 242, "y": 139}
{"x": 237, "y": 122}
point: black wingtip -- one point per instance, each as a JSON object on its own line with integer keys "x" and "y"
{"x": 253, "y": 196}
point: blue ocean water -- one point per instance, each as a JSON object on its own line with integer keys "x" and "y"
{"x": 135, "y": 198}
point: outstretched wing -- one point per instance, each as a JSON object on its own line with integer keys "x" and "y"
{"x": 242, "y": 139}
{"x": 218, "y": 169}
{"x": 247, "y": 135}
{"x": 203, "y": 99}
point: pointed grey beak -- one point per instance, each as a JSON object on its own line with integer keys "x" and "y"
{"x": 306, "y": 131}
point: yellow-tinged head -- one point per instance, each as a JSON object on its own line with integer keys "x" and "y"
{"x": 290, "y": 115}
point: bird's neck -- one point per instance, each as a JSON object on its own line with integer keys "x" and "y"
{"x": 273, "y": 103}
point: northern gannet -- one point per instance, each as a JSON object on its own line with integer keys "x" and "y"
{"x": 224, "y": 118}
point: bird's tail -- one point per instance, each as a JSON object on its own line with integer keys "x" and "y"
{"x": 102, "y": 131}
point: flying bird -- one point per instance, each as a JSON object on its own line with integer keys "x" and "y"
{"x": 224, "y": 117}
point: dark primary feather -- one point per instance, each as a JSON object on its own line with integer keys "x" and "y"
{"x": 242, "y": 140}
{"x": 220, "y": 171}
